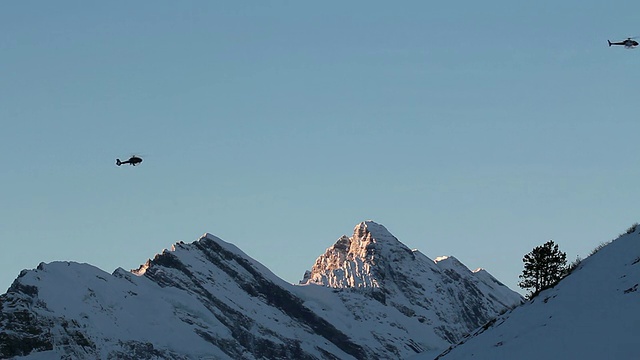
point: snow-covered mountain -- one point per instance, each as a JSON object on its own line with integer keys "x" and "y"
{"x": 368, "y": 297}
{"x": 443, "y": 294}
{"x": 593, "y": 313}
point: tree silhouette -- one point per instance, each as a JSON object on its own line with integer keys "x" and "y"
{"x": 544, "y": 266}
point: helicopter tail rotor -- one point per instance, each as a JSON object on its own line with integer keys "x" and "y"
{"x": 118, "y": 162}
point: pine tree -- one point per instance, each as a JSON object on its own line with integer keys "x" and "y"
{"x": 544, "y": 266}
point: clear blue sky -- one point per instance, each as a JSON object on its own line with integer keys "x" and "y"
{"x": 473, "y": 129}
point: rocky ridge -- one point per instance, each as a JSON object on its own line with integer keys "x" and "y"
{"x": 209, "y": 300}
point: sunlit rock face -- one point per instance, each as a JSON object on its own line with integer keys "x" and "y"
{"x": 358, "y": 261}
{"x": 444, "y": 293}
{"x": 368, "y": 297}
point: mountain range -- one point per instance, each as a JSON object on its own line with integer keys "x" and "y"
{"x": 367, "y": 297}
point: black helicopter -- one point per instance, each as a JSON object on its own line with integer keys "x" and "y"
{"x": 134, "y": 160}
{"x": 629, "y": 43}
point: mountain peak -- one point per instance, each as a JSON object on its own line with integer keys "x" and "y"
{"x": 375, "y": 262}
{"x": 373, "y": 258}
{"x": 357, "y": 261}
{"x": 369, "y": 232}
{"x": 374, "y": 230}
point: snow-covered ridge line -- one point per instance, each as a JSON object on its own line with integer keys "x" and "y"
{"x": 210, "y": 299}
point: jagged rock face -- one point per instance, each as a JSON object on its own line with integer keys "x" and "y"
{"x": 22, "y": 331}
{"x": 209, "y": 300}
{"x": 358, "y": 261}
{"x": 444, "y": 293}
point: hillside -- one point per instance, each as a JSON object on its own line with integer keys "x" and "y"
{"x": 593, "y": 313}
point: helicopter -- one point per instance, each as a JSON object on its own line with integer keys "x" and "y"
{"x": 134, "y": 160}
{"x": 629, "y": 43}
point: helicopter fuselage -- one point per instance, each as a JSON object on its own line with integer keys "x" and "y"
{"x": 134, "y": 160}
{"x": 628, "y": 43}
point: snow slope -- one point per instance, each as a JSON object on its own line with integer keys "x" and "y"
{"x": 593, "y": 313}
{"x": 209, "y": 300}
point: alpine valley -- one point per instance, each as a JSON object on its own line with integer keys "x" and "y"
{"x": 367, "y": 297}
